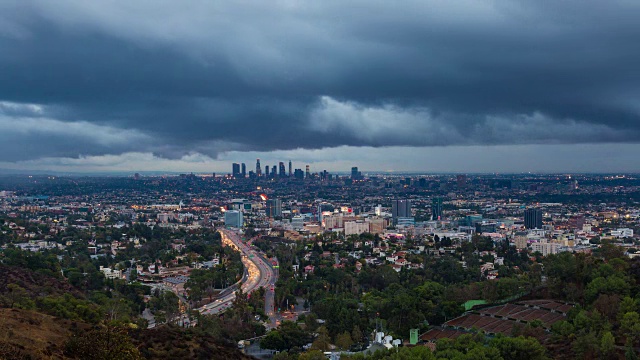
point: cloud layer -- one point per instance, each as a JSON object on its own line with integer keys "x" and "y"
{"x": 82, "y": 79}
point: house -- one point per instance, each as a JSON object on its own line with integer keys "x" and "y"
{"x": 111, "y": 274}
{"x": 401, "y": 262}
{"x": 486, "y": 267}
{"x": 492, "y": 275}
{"x": 176, "y": 283}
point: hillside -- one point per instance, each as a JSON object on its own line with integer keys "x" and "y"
{"x": 176, "y": 343}
{"x": 31, "y": 335}
{"x": 35, "y": 283}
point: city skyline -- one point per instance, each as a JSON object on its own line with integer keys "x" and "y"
{"x": 475, "y": 86}
{"x": 598, "y": 158}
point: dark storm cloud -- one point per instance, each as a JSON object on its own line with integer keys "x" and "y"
{"x": 206, "y": 77}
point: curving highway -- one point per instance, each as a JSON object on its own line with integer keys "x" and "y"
{"x": 259, "y": 274}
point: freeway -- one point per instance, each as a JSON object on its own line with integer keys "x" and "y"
{"x": 259, "y": 274}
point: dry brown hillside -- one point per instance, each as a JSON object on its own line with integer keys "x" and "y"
{"x": 32, "y": 335}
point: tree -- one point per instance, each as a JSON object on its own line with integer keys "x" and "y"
{"x": 606, "y": 285}
{"x": 519, "y": 348}
{"x": 630, "y": 353}
{"x": 312, "y": 355}
{"x": 102, "y": 343}
{"x": 323, "y": 341}
{"x": 628, "y": 304}
{"x": 630, "y": 324}
{"x": 18, "y": 297}
{"x": 586, "y": 346}
{"x": 356, "y": 334}
{"x": 344, "y": 341}
{"x": 563, "y": 328}
{"x": 607, "y": 346}
{"x": 133, "y": 276}
{"x": 273, "y": 341}
{"x": 310, "y": 322}
{"x": 116, "y": 308}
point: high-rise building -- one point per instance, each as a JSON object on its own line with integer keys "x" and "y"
{"x": 533, "y": 218}
{"x": 243, "y": 170}
{"x": 400, "y": 208}
{"x": 274, "y": 207}
{"x": 233, "y": 218}
{"x": 307, "y": 173}
{"x": 324, "y": 208}
{"x": 355, "y": 174}
{"x": 235, "y": 170}
{"x": 377, "y": 225}
{"x": 283, "y": 171}
{"x": 576, "y": 221}
{"x": 436, "y": 209}
{"x": 290, "y": 169}
{"x": 258, "y": 168}
{"x": 266, "y": 171}
{"x": 274, "y": 171}
{"x": 298, "y": 174}
{"x": 461, "y": 181}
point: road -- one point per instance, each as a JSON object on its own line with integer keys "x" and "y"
{"x": 260, "y": 274}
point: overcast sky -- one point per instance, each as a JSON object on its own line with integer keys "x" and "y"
{"x": 442, "y": 86}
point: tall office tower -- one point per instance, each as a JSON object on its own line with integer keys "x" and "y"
{"x": 274, "y": 207}
{"x": 235, "y": 170}
{"x": 400, "y": 208}
{"x": 298, "y": 174}
{"x": 233, "y": 218}
{"x": 283, "y": 172}
{"x": 266, "y": 171}
{"x": 324, "y": 208}
{"x": 274, "y": 171}
{"x": 355, "y": 174}
{"x": 258, "y": 168}
{"x": 307, "y": 173}
{"x": 436, "y": 209}
{"x": 243, "y": 170}
{"x": 533, "y": 218}
{"x": 461, "y": 181}
{"x": 290, "y": 169}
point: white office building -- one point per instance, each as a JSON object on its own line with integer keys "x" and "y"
{"x": 355, "y": 227}
{"x": 233, "y": 218}
{"x": 297, "y": 222}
